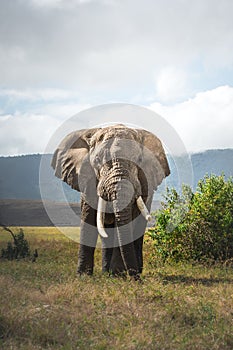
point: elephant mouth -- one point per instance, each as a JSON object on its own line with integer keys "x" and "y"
{"x": 101, "y": 212}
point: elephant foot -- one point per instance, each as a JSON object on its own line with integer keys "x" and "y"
{"x": 85, "y": 260}
{"x": 122, "y": 274}
{"x": 137, "y": 278}
{"x": 86, "y": 272}
{"x": 126, "y": 275}
{"x": 135, "y": 275}
{"x": 106, "y": 259}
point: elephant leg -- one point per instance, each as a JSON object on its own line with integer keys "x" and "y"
{"x": 139, "y": 229}
{"x": 117, "y": 266}
{"x": 107, "y": 248}
{"x": 106, "y": 259}
{"x": 138, "y": 244}
{"x": 85, "y": 260}
{"x": 88, "y": 239}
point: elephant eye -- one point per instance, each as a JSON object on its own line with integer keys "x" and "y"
{"x": 140, "y": 159}
{"x": 101, "y": 138}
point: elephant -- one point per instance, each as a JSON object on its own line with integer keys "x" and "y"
{"x": 117, "y": 169}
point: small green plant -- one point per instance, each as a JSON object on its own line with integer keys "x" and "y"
{"x": 17, "y": 249}
{"x": 196, "y": 226}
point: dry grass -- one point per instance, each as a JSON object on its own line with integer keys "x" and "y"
{"x": 44, "y": 306}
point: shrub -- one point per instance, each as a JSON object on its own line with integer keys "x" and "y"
{"x": 18, "y": 249}
{"x": 196, "y": 226}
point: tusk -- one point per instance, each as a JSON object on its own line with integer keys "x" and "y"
{"x": 100, "y": 217}
{"x": 143, "y": 209}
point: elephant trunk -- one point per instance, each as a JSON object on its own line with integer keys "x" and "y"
{"x": 122, "y": 207}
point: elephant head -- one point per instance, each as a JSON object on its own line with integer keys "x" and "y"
{"x": 117, "y": 169}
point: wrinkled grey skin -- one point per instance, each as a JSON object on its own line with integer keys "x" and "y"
{"x": 118, "y": 164}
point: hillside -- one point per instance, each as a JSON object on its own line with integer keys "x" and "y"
{"x": 212, "y": 162}
{"x": 19, "y": 176}
{"x": 20, "y": 198}
{"x": 19, "y": 179}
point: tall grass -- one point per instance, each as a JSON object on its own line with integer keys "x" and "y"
{"x": 44, "y": 306}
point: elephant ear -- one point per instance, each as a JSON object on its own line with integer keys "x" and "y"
{"x": 71, "y": 160}
{"x": 154, "y": 164}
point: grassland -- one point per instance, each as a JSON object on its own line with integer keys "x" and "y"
{"x": 43, "y": 305}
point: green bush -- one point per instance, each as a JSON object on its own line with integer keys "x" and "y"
{"x": 18, "y": 249}
{"x": 196, "y": 226}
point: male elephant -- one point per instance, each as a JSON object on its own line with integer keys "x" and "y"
{"x": 116, "y": 169}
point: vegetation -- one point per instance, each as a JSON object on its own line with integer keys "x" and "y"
{"x": 44, "y": 306}
{"x": 18, "y": 249}
{"x": 196, "y": 226}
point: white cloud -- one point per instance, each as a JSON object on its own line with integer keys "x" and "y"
{"x": 47, "y": 3}
{"x": 29, "y": 132}
{"x": 45, "y": 94}
{"x": 58, "y": 57}
{"x": 64, "y": 3}
{"x": 62, "y": 111}
{"x": 171, "y": 84}
{"x": 114, "y": 45}
{"x": 203, "y": 122}
{"x": 22, "y": 134}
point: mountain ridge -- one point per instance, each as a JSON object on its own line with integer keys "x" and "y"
{"x": 19, "y": 175}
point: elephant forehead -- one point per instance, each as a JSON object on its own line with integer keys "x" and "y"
{"x": 125, "y": 148}
{"x": 121, "y": 134}
{"x": 115, "y": 132}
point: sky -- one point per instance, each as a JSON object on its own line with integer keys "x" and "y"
{"x": 60, "y": 57}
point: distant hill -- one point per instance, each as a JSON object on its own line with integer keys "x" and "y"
{"x": 20, "y": 198}
{"x": 19, "y": 176}
{"x": 203, "y": 163}
{"x": 212, "y": 162}
{"x": 19, "y": 179}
